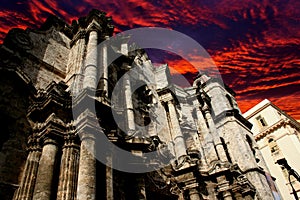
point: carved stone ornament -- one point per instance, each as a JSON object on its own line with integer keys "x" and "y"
{"x": 21, "y": 39}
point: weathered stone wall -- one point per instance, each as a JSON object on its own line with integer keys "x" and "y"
{"x": 245, "y": 154}
{"x": 210, "y": 150}
{"x": 13, "y": 132}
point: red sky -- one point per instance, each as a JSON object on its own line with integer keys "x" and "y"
{"x": 255, "y": 44}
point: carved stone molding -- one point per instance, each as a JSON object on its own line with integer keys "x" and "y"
{"x": 18, "y": 39}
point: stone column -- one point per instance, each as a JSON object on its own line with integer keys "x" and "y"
{"x": 129, "y": 105}
{"x": 90, "y": 70}
{"x": 109, "y": 182}
{"x": 26, "y": 188}
{"x": 67, "y": 185}
{"x": 180, "y": 148}
{"x": 217, "y": 141}
{"x": 104, "y": 69}
{"x": 207, "y": 143}
{"x": 223, "y": 187}
{"x": 189, "y": 184}
{"x": 43, "y": 185}
{"x": 211, "y": 189}
{"x": 194, "y": 194}
{"x": 141, "y": 188}
{"x": 227, "y": 195}
{"x": 237, "y": 195}
{"x": 152, "y": 129}
{"x": 86, "y": 187}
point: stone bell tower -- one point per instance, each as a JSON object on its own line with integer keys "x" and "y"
{"x": 68, "y": 88}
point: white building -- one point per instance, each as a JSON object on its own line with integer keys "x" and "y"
{"x": 278, "y": 137}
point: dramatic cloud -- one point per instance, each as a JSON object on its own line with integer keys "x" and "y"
{"x": 255, "y": 44}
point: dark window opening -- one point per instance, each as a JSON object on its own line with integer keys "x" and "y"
{"x": 226, "y": 150}
{"x": 262, "y": 122}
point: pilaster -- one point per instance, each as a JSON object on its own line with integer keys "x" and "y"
{"x": 49, "y": 114}
{"x": 26, "y": 188}
{"x": 217, "y": 141}
{"x": 177, "y": 137}
{"x": 67, "y": 186}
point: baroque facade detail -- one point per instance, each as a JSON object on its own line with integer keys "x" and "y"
{"x": 51, "y": 75}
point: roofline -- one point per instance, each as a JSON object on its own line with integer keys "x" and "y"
{"x": 257, "y": 108}
{"x": 264, "y": 104}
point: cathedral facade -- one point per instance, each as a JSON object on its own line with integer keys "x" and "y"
{"x": 64, "y": 129}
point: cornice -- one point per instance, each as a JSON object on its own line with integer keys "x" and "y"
{"x": 234, "y": 113}
{"x": 53, "y": 130}
{"x": 79, "y": 35}
{"x": 258, "y": 110}
{"x": 276, "y": 126}
{"x": 53, "y": 99}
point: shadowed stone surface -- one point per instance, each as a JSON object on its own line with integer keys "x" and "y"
{"x": 49, "y": 78}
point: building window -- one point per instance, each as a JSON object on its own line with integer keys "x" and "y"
{"x": 279, "y": 113}
{"x": 273, "y": 146}
{"x": 285, "y": 172}
{"x": 262, "y": 122}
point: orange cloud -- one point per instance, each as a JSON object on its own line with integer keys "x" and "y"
{"x": 291, "y": 108}
{"x": 255, "y": 44}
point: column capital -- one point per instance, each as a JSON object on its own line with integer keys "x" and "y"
{"x": 171, "y": 102}
{"x": 71, "y": 140}
{"x": 189, "y": 183}
{"x": 187, "y": 180}
{"x": 53, "y": 128}
{"x": 79, "y": 35}
{"x": 167, "y": 97}
{"x": 206, "y": 108}
{"x": 93, "y": 27}
{"x": 46, "y": 168}
{"x": 33, "y": 143}
{"x": 87, "y": 121}
{"x": 87, "y": 136}
{"x": 223, "y": 186}
{"x": 48, "y": 140}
